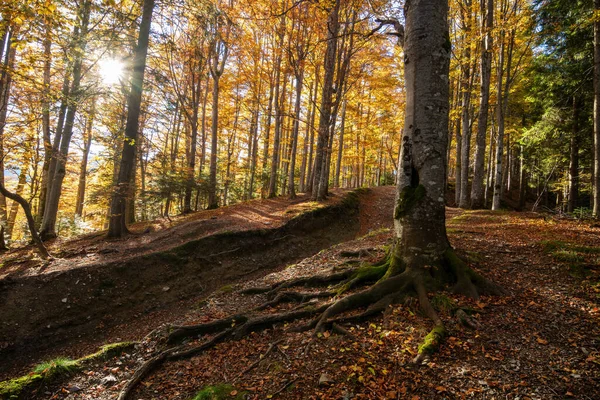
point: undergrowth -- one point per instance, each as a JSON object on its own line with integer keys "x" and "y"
{"x": 220, "y": 392}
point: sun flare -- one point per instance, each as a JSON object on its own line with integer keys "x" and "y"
{"x": 111, "y": 71}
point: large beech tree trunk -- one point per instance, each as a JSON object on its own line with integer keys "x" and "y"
{"x": 117, "y": 225}
{"x": 419, "y": 216}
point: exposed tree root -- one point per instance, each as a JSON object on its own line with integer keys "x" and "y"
{"x": 396, "y": 281}
{"x": 298, "y": 297}
{"x": 313, "y": 280}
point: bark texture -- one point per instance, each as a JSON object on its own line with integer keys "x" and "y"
{"x": 477, "y": 189}
{"x": 117, "y": 226}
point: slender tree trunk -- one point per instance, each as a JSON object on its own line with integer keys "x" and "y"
{"x": 48, "y": 228}
{"x": 477, "y": 190}
{"x": 14, "y": 208}
{"x": 30, "y": 221}
{"x": 253, "y": 147}
{"x": 219, "y": 51}
{"x": 7, "y": 55}
{"x": 191, "y": 162}
{"x": 296, "y": 128}
{"x": 340, "y": 154}
{"x": 497, "y": 185}
{"x": 311, "y": 144}
{"x": 46, "y": 121}
{"x": 522, "y": 180}
{"x": 463, "y": 198}
{"x": 457, "y": 165}
{"x": 319, "y": 189}
{"x": 203, "y": 130}
{"x": 88, "y": 137}
{"x": 596, "y": 172}
{"x": 117, "y": 226}
{"x": 213, "y": 201}
{"x": 274, "y": 87}
{"x": 279, "y": 100}
{"x": 574, "y": 160}
{"x": 304, "y": 164}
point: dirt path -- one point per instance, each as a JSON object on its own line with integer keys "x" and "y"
{"x": 159, "y": 235}
{"x": 85, "y": 300}
{"x": 540, "y": 342}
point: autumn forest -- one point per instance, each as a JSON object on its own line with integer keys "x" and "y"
{"x": 232, "y": 105}
{"x": 299, "y": 199}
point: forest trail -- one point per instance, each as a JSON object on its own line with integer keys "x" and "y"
{"x": 104, "y": 289}
{"x": 542, "y": 341}
{"x": 158, "y": 235}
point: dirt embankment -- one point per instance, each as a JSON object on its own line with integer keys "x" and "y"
{"x": 39, "y": 311}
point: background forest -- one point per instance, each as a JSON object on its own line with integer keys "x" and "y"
{"x": 238, "y": 96}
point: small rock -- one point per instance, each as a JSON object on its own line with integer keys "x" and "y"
{"x": 325, "y": 379}
{"x": 108, "y": 380}
{"x": 74, "y": 389}
{"x": 64, "y": 300}
{"x": 166, "y": 289}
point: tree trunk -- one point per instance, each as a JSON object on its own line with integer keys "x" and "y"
{"x": 30, "y": 221}
{"x": 319, "y": 187}
{"x": 296, "y": 128}
{"x": 574, "y": 160}
{"x": 497, "y": 185}
{"x": 48, "y": 228}
{"x": 7, "y": 62}
{"x": 463, "y": 193}
{"x": 596, "y": 172}
{"x": 117, "y": 226}
{"x": 14, "y": 208}
{"x": 338, "y": 166}
{"x": 522, "y": 180}
{"x": 88, "y": 136}
{"x": 46, "y": 121}
{"x": 477, "y": 189}
{"x": 311, "y": 144}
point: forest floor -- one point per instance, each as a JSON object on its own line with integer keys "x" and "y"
{"x": 154, "y": 236}
{"x": 542, "y": 341}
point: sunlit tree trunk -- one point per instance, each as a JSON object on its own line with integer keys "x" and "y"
{"x": 7, "y": 57}
{"x": 477, "y": 189}
{"x": 48, "y": 227}
{"x": 305, "y": 147}
{"x": 338, "y": 166}
{"x": 88, "y": 137}
{"x": 46, "y": 135}
{"x": 219, "y": 52}
{"x": 117, "y": 226}
{"x": 319, "y": 187}
{"x": 503, "y": 93}
{"x": 14, "y": 208}
{"x": 463, "y": 187}
{"x": 279, "y": 100}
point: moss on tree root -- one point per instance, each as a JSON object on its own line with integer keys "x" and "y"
{"x": 49, "y": 370}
